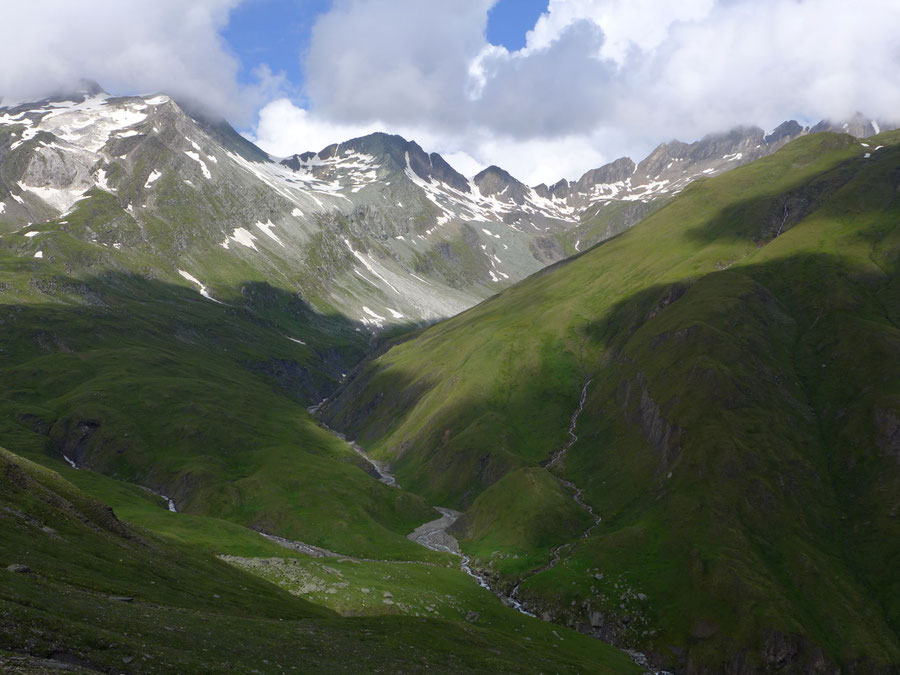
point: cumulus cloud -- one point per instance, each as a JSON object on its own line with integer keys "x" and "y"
{"x": 597, "y": 78}
{"x": 397, "y": 60}
{"x": 127, "y": 46}
{"x": 285, "y": 129}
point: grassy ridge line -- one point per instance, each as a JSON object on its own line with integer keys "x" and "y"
{"x": 713, "y": 376}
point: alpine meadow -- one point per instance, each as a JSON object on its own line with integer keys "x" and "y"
{"x": 304, "y": 394}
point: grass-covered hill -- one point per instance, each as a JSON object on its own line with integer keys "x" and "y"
{"x": 87, "y": 592}
{"x": 740, "y": 438}
{"x": 150, "y": 383}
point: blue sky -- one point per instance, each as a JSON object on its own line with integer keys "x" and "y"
{"x": 510, "y": 20}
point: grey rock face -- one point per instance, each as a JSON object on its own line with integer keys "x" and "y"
{"x": 859, "y": 125}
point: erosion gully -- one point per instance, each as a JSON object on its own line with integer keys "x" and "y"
{"x": 433, "y": 535}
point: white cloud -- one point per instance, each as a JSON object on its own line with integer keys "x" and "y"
{"x": 597, "y": 78}
{"x": 286, "y": 129}
{"x": 398, "y": 60}
{"x": 127, "y": 46}
{"x": 627, "y": 24}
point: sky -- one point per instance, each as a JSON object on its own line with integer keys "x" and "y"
{"x": 544, "y": 88}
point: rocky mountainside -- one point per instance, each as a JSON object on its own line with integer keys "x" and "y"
{"x": 374, "y": 228}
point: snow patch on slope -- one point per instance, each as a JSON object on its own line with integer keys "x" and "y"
{"x": 196, "y": 157}
{"x": 203, "y": 290}
{"x": 266, "y": 227}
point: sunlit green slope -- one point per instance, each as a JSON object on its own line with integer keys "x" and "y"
{"x": 740, "y": 434}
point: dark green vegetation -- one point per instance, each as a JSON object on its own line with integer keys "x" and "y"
{"x": 517, "y": 518}
{"x": 151, "y": 383}
{"x": 740, "y": 438}
{"x": 112, "y": 597}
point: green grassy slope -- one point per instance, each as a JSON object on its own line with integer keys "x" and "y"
{"x": 740, "y": 436}
{"x": 103, "y": 595}
{"x": 149, "y": 382}
{"x": 514, "y": 524}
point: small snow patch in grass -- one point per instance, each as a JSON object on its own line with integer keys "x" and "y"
{"x": 372, "y": 314}
{"x": 203, "y": 291}
{"x": 102, "y": 181}
{"x": 299, "y": 342}
{"x": 33, "y": 233}
{"x": 39, "y": 254}
{"x": 152, "y": 178}
{"x": 394, "y": 313}
{"x": 243, "y": 237}
{"x": 267, "y": 228}
{"x": 297, "y": 213}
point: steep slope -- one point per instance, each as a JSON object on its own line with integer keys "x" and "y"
{"x": 81, "y": 590}
{"x": 739, "y": 434}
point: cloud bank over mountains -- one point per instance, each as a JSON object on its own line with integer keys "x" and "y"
{"x": 128, "y": 46}
{"x": 596, "y": 78}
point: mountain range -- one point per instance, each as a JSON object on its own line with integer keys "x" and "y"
{"x": 654, "y": 408}
{"x": 373, "y": 228}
